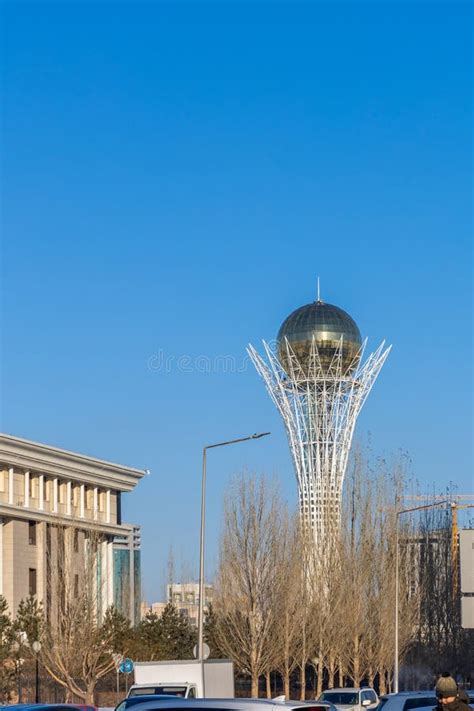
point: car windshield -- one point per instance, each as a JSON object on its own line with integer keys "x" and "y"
{"x": 159, "y": 691}
{"x": 340, "y": 697}
{"x": 419, "y": 702}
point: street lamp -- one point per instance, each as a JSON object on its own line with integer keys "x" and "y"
{"x": 397, "y": 515}
{"x": 201, "y": 551}
{"x": 36, "y": 647}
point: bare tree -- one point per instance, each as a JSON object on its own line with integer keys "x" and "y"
{"x": 285, "y": 600}
{"x": 248, "y": 577}
{"x": 77, "y": 645}
{"x": 369, "y": 542}
{"x": 289, "y": 610}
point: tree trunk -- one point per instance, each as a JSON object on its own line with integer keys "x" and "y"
{"x": 331, "y": 671}
{"x": 90, "y": 693}
{"x": 286, "y": 683}
{"x": 268, "y": 684}
{"x": 356, "y": 662}
{"x": 254, "y": 691}
{"x": 303, "y": 682}
{"x": 382, "y": 683}
{"x": 341, "y": 676}
{"x": 319, "y": 687}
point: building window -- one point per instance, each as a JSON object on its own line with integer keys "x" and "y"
{"x": 89, "y": 499}
{"x": 32, "y": 581}
{"x": 102, "y": 501}
{"x": 32, "y": 533}
{"x": 62, "y": 493}
{"x": 32, "y": 486}
{"x": 47, "y": 492}
{"x": 76, "y": 540}
{"x": 2, "y": 481}
{"x": 76, "y": 585}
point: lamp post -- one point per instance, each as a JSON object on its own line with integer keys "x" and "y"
{"x": 201, "y": 550}
{"x": 398, "y": 513}
{"x": 36, "y": 647}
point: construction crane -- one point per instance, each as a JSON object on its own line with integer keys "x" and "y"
{"x": 456, "y": 502}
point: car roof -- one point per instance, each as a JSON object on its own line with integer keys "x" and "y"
{"x": 421, "y": 692}
{"x": 229, "y": 702}
{"x": 142, "y": 698}
{"x": 339, "y": 690}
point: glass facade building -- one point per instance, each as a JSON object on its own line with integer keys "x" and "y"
{"x": 127, "y": 575}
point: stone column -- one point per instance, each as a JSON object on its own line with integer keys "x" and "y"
{"x": 95, "y": 505}
{"x": 41, "y": 492}
{"x": 107, "y": 506}
{"x": 55, "y": 495}
{"x": 10, "y": 485}
{"x": 27, "y": 489}
{"x": 68, "y": 498}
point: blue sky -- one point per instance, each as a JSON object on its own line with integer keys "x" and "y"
{"x": 175, "y": 176}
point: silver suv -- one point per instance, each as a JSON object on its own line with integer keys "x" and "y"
{"x": 351, "y": 699}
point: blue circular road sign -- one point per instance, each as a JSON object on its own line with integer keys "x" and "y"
{"x": 127, "y": 666}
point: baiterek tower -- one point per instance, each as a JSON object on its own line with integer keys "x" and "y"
{"x": 318, "y": 378}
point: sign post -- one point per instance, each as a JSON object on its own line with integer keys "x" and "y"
{"x": 126, "y": 667}
{"x": 118, "y": 659}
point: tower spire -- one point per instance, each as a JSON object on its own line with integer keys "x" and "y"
{"x": 319, "y": 293}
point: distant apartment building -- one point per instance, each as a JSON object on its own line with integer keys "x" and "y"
{"x": 53, "y": 501}
{"x": 185, "y": 597}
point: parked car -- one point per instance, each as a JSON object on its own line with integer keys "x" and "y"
{"x": 408, "y": 700}
{"x": 186, "y": 690}
{"x": 351, "y": 699}
{"x": 52, "y": 707}
{"x": 226, "y": 704}
{"x": 134, "y": 700}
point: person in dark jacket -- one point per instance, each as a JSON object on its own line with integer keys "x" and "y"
{"x": 450, "y": 696}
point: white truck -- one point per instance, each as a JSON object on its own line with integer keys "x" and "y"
{"x": 190, "y": 678}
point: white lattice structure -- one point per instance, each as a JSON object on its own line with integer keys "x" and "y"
{"x": 319, "y": 406}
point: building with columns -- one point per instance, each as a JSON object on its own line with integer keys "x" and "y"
{"x": 53, "y": 500}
